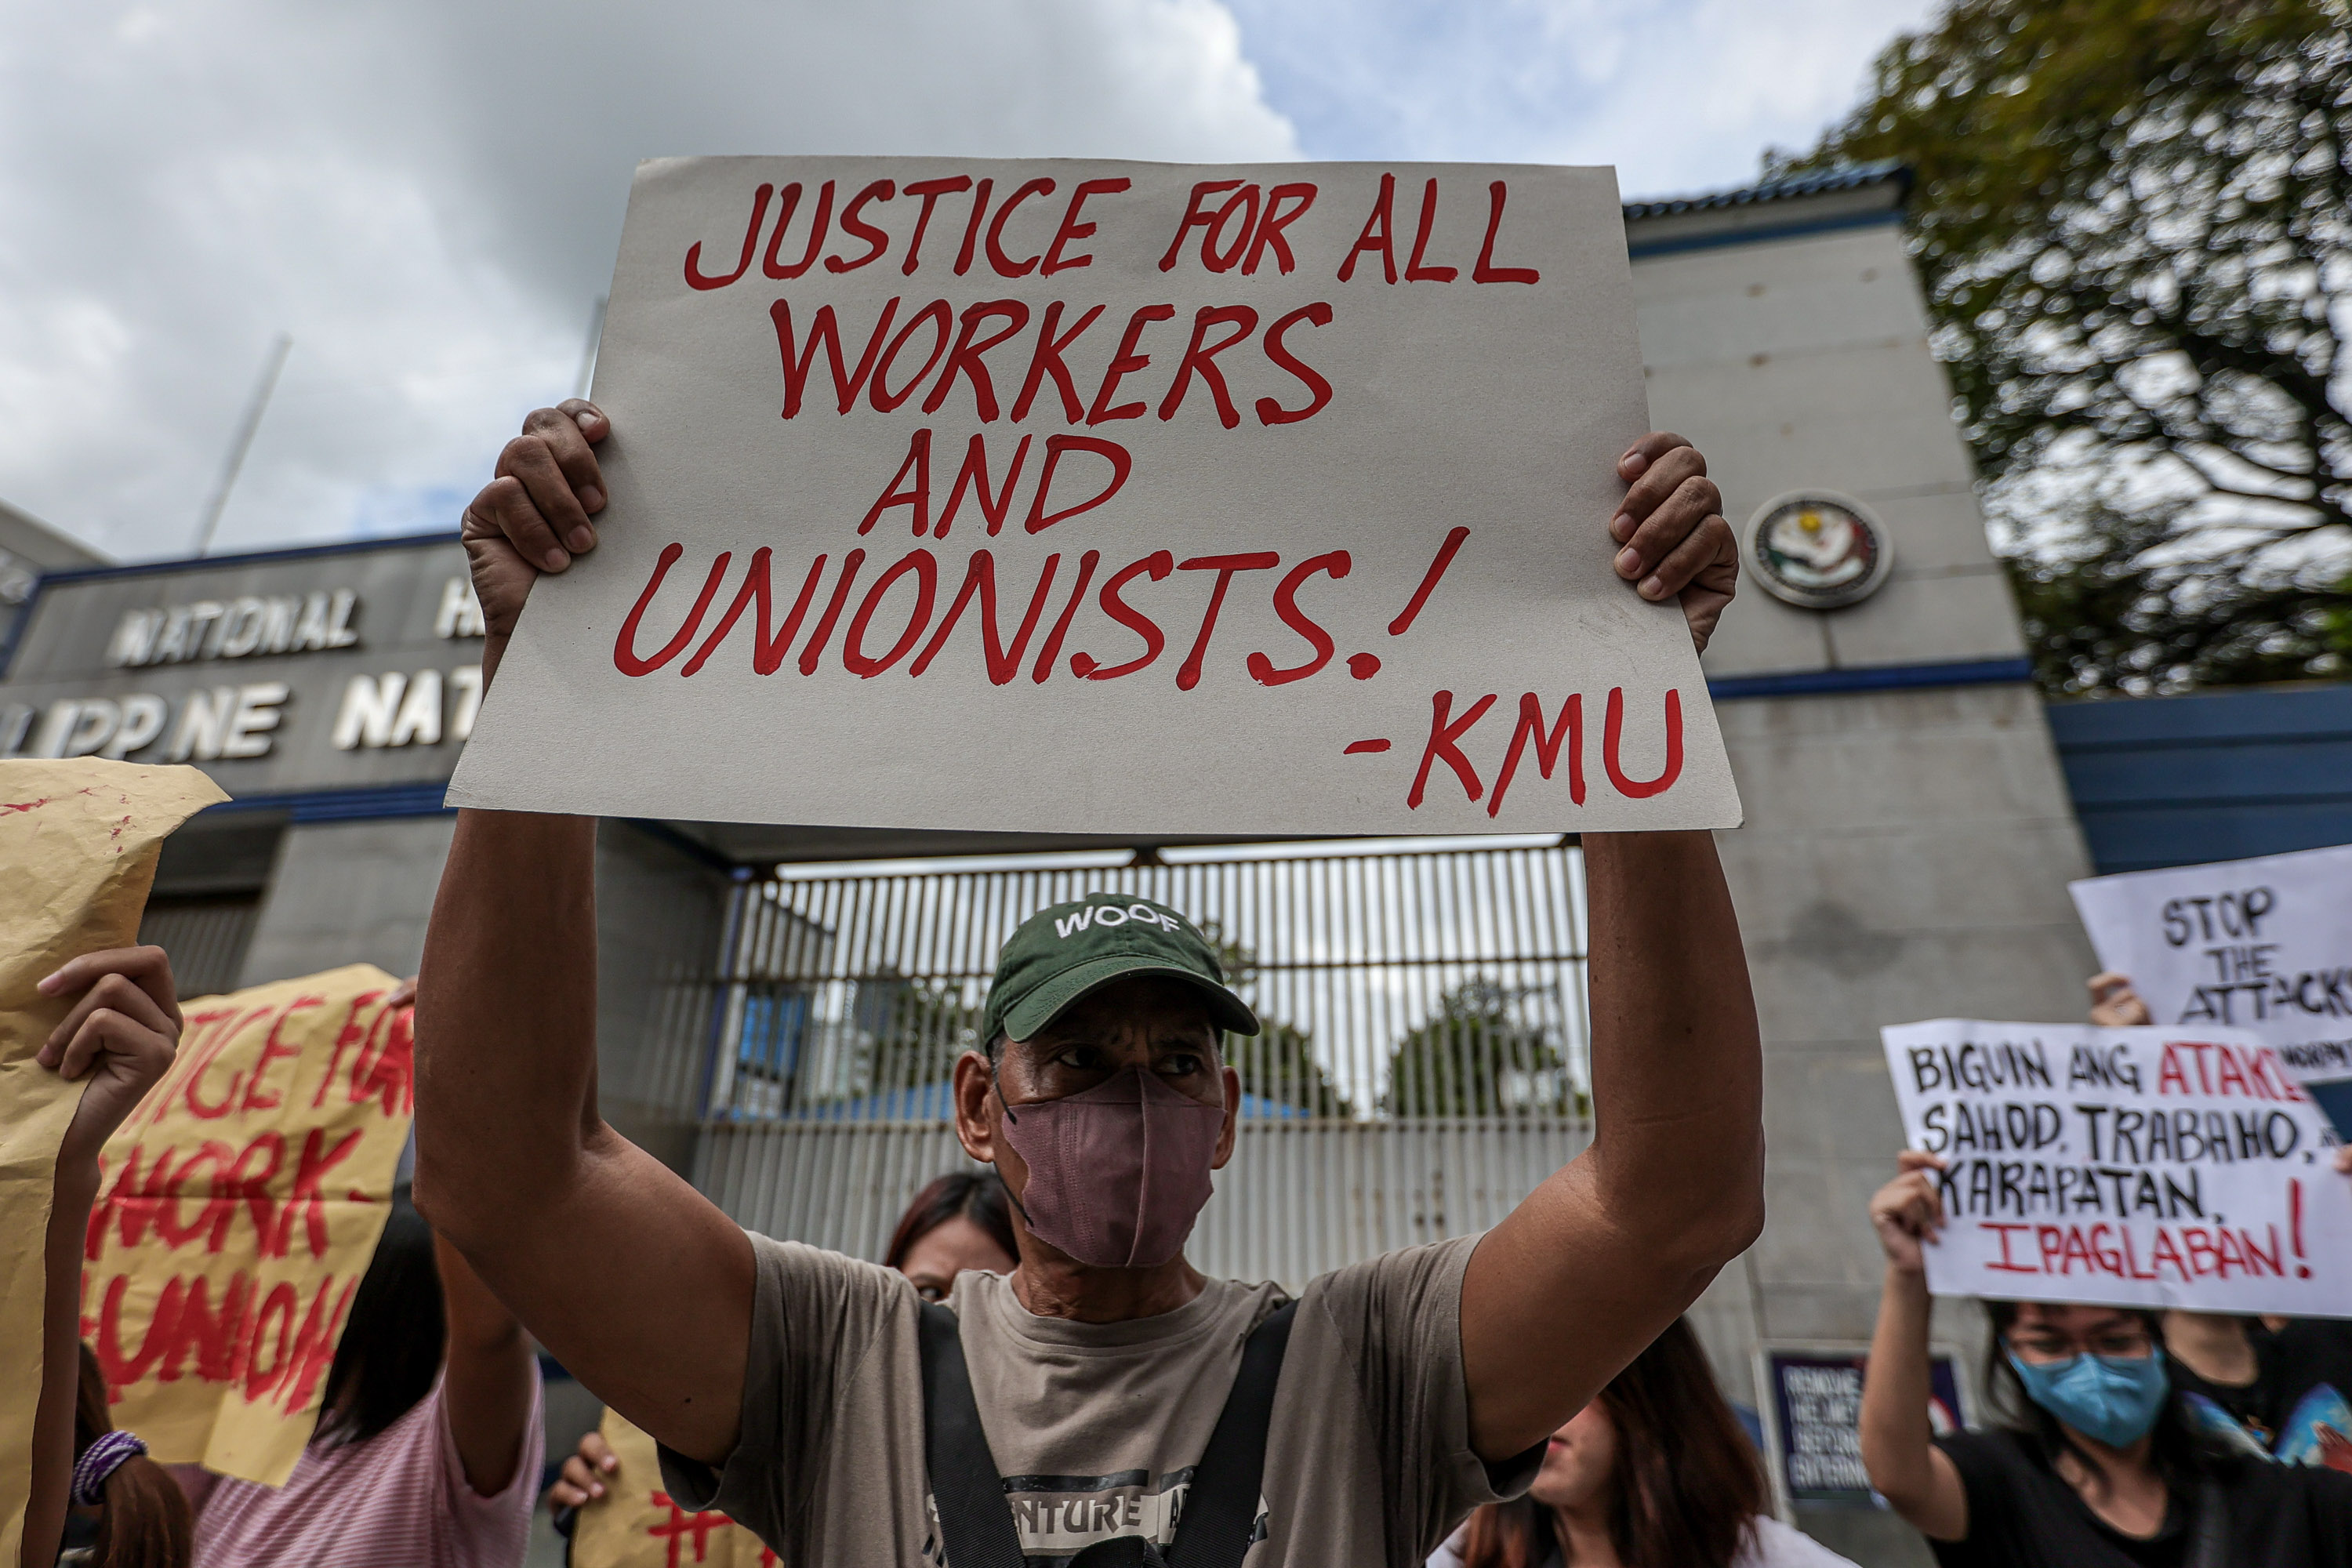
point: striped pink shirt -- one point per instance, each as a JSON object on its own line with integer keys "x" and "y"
{"x": 397, "y": 1501}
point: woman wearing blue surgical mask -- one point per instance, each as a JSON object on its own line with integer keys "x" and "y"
{"x": 2096, "y": 1464}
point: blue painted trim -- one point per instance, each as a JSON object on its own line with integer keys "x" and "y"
{"x": 365, "y": 803}
{"x": 201, "y": 563}
{"x": 250, "y": 558}
{"x": 378, "y": 802}
{"x": 2212, "y": 776}
{"x": 1638, "y": 251}
{"x": 2305, "y": 713}
{"x": 1874, "y": 678}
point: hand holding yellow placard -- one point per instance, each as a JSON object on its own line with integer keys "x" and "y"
{"x": 636, "y": 1525}
{"x": 241, "y": 1203}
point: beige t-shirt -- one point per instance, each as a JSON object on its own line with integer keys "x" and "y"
{"x": 1096, "y": 1426}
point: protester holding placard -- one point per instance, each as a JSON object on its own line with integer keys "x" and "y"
{"x": 1117, "y": 1385}
{"x": 1654, "y": 1471}
{"x": 428, "y": 1448}
{"x": 79, "y": 840}
{"x": 2283, "y": 1384}
{"x": 118, "y": 1038}
{"x": 242, "y": 1203}
{"x": 2097, "y": 1465}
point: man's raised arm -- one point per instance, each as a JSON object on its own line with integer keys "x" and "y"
{"x": 1599, "y": 1259}
{"x": 635, "y": 1280}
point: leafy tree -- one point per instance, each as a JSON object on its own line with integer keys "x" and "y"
{"x": 1481, "y": 1055}
{"x": 2134, "y": 221}
{"x": 920, "y": 1026}
{"x": 1279, "y": 1066}
{"x": 2106, "y": 610}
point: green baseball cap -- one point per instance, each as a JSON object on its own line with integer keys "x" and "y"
{"x": 1062, "y": 952}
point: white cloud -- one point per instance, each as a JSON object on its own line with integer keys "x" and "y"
{"x": 426, "y": 193}
{"x": 1680, "y": 95}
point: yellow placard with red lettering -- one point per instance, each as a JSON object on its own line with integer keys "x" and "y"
{"x": 636, "y": 1525}
{"x": 240, "y": 1206}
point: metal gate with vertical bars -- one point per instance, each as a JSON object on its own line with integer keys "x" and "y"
{"x": 1423, "y": 1065}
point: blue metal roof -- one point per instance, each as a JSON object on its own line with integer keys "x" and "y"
{"x": 1851, "y": 177}
{"x": 2221, "y": 775}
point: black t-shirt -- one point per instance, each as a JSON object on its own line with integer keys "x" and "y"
{"x": 2021, "y": 1514}
{"x": 2251, "y": 1406}
{"x": 2312, "y": 1413}
{"x": 2299, "y": 1405}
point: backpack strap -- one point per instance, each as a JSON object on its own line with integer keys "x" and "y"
{"x": 975, "y": 1522}
{"x": 1221, "y": 1506}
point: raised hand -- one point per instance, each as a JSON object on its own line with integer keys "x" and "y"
{"x": 584, "y": 1473}
{"x": 533, "y": 517}
{"x": 2113, "y": 1003}
{"x": 1907, "y": 1212}
{"x": 1673, "y": 531}
{"x": 120, "y": 1035}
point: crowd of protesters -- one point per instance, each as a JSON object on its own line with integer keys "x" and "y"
{"x": 2125, "y": 1435}
{"x": 1036, "y": 1371}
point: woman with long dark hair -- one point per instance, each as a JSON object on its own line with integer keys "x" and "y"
{"x": 2097, "y": 1464}
{"x": 1654, "y": 1473}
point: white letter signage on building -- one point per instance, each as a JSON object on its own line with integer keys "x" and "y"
{"x": 1812, "y": 1418}
{"x": 2264, "y": 945}
{"x": 2150, "y": 1167}
{"x": 1111, "y": 497}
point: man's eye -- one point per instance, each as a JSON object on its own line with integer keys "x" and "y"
{"x": 930, "y": 1293}
{"x": 1079, "y": 1056}
{"x": 1180, "y": 1066}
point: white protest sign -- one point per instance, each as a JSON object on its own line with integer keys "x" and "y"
{"x": 2264, "y": 945}
{"x": 2149, "y": 1167}
{"x": 1076, "y": 497}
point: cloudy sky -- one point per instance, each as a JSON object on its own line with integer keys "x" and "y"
{"x": 426, "y": 193}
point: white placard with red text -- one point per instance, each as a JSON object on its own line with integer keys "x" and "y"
{"x": 2154, "y": 1167}
{"x": 1060, "y": 496}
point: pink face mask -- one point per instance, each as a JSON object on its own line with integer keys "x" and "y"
{"x": 1116, "y": 1173}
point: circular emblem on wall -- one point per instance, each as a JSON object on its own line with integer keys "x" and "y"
{"x": 1818, "y": 550}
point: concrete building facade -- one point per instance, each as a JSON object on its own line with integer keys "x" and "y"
{"x": 1909, "y": 836}
{"x": 29, "y": 547}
